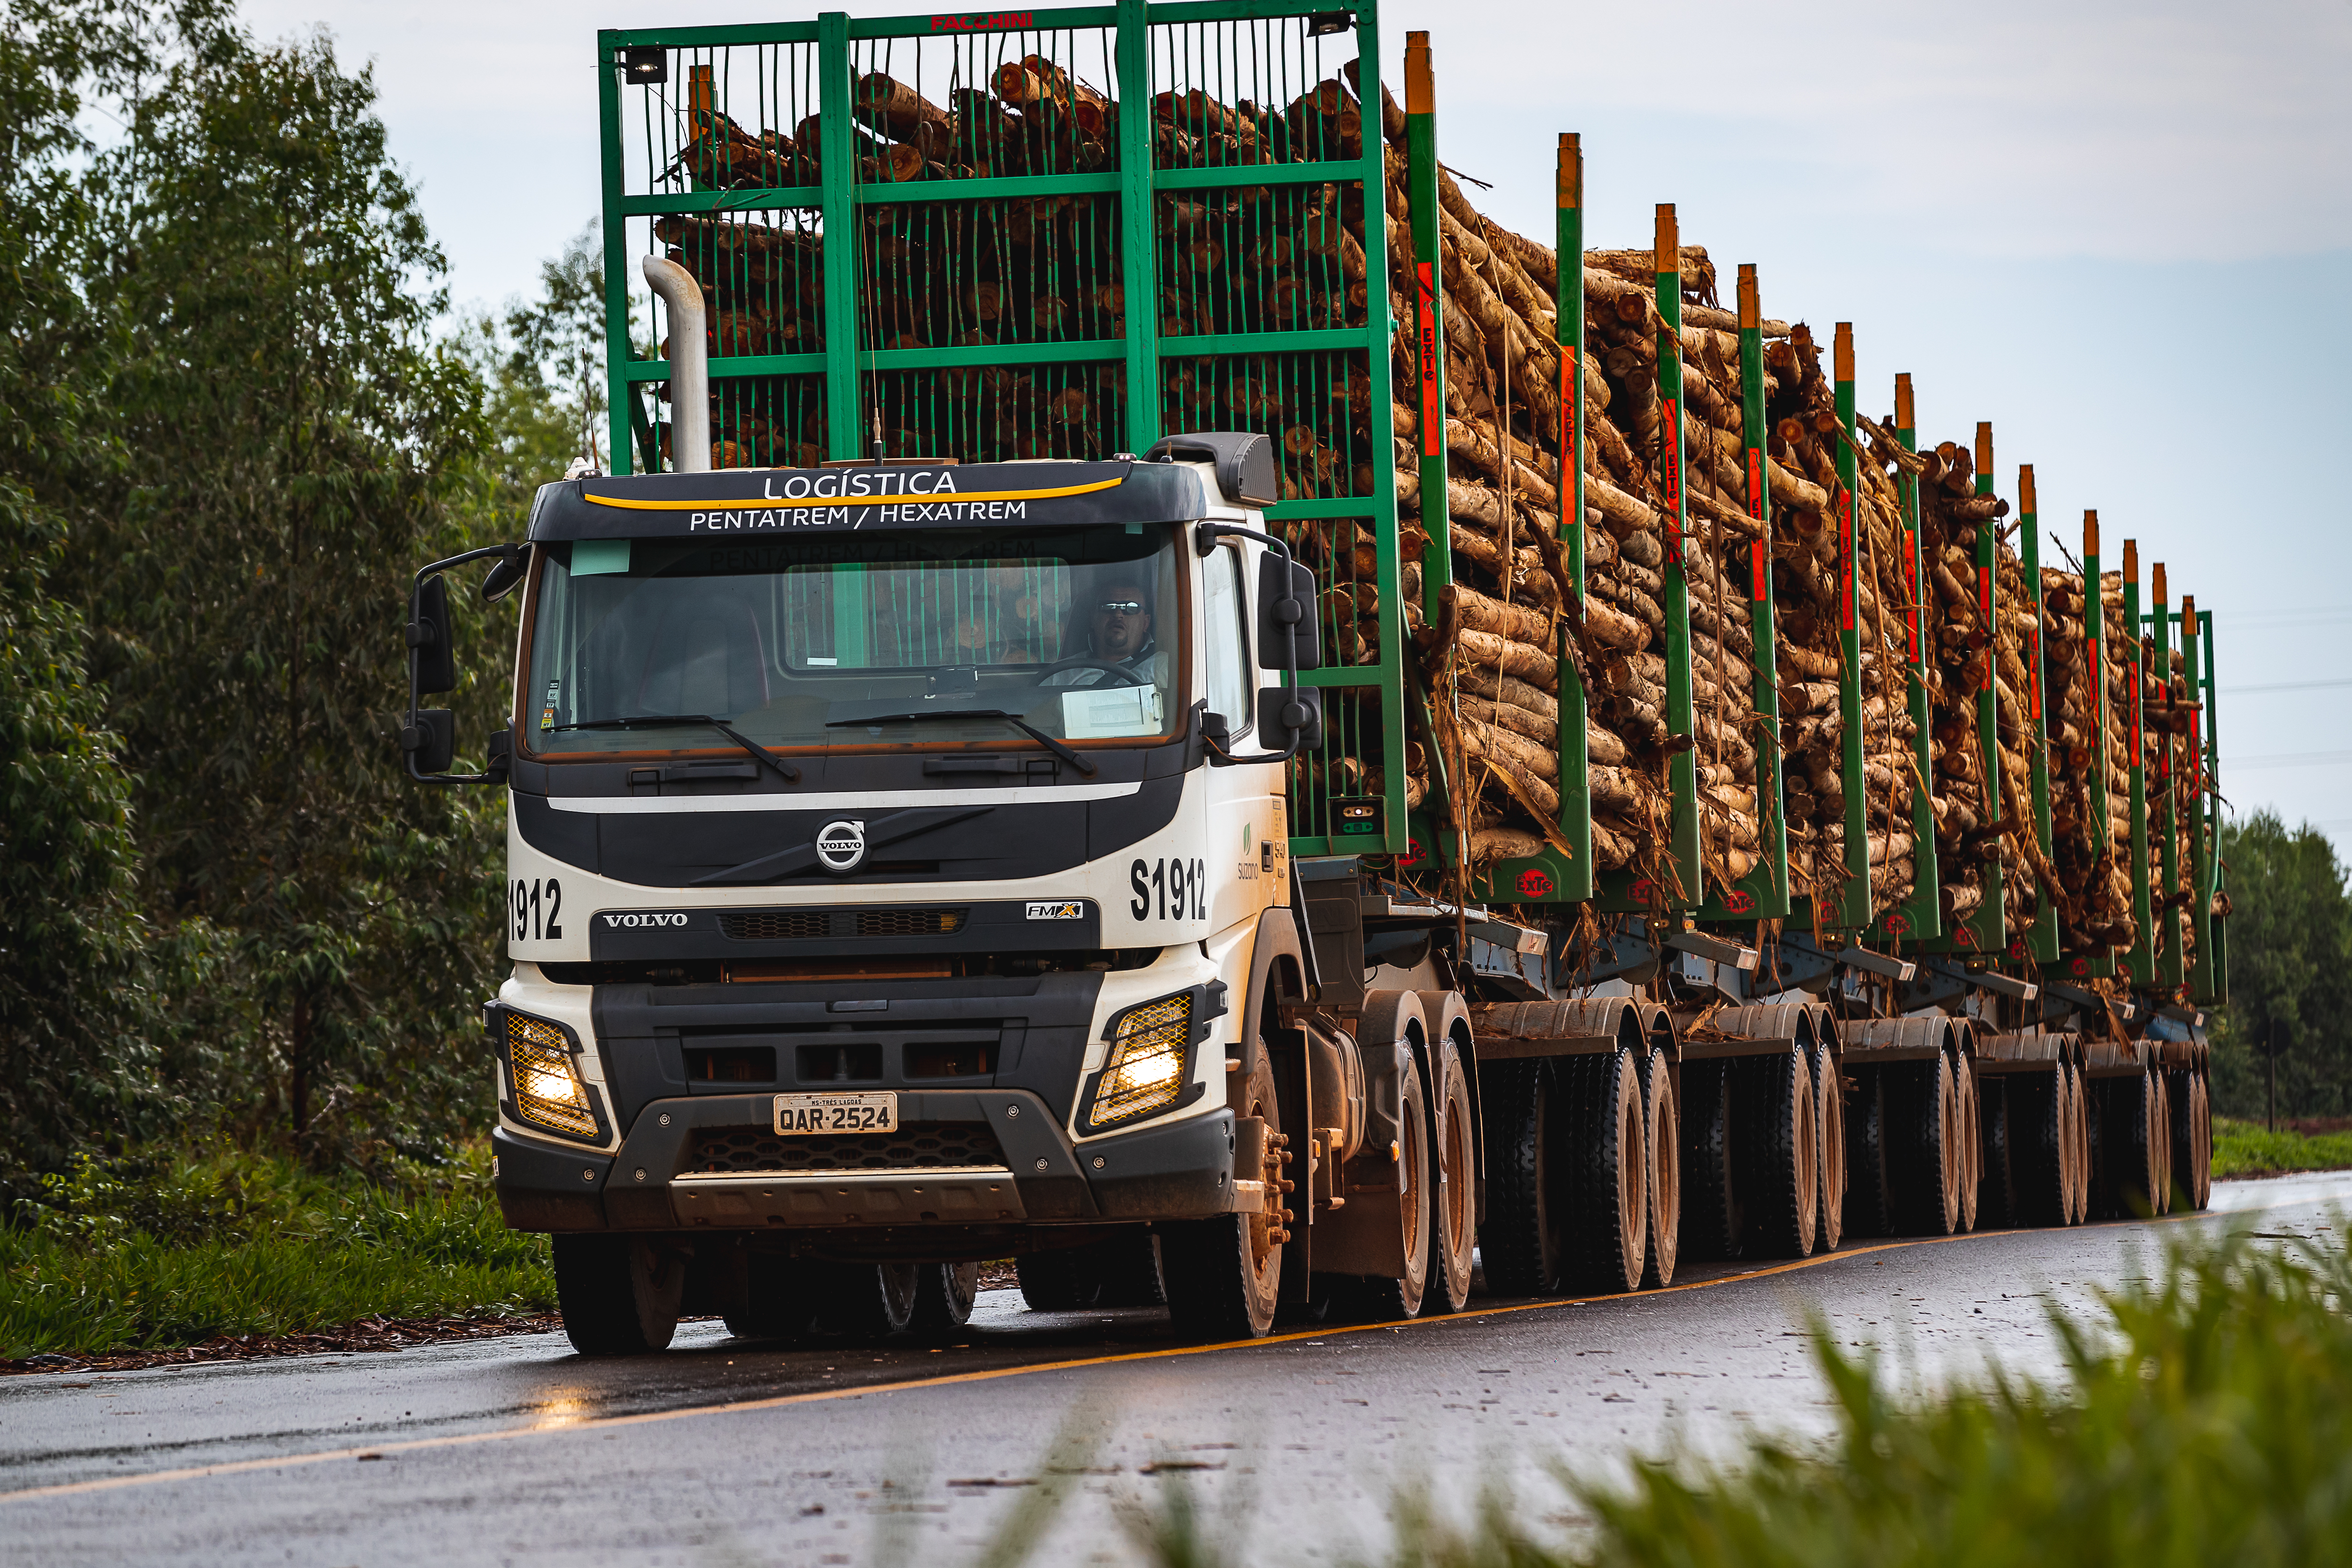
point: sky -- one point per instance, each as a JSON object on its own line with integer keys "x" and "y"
{"x": 2122, "y": 233}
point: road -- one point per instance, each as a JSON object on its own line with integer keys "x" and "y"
{"x": 516, "y": 1451}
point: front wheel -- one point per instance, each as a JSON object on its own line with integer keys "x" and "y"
{"x": 618, "y": 1295}
{"x": 944, "y": 1295}
{"x": 1223, "y": 1275}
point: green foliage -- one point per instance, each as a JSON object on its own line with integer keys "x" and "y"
{"x": 2289, "y": 967}
{"x": 162, "y": 1249}
{"x": 2251, "y": 1149}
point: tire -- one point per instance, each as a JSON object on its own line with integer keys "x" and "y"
{"x": 1869, "y": 1162}
{"x": 1522, "y": 1243}
{"x": 1714, "y": 1218}
{"x": 1455, "y": 1197}
{"x": 618, "y": 1295}
{"x": 2078, "y": 1142}
{"x": 944, "y": 1295}
{"x": 1664, "y": 1139}
{"x": 2038, "y": 1159}
{"x": 1223, "y": 1275}
{"x": 2000, "y": 1192}
{"x": 1602, "y": 1167}
{"x": 1923, "y": 1120}
{"x": 1388, "y": 1300}
{"x": 767, "y": 1295}
{"x": 2162, "y": 1081}
{"x": 1064, "y": 1280}
{"x": 2192, "y": 1141}
{"x": 2132, "y": 1146}
{"x": 1128, "y": 1267}
{"x": 1828, "y": 1119}
{"x": 1964, "y": 1079}
{"x": 867, "y": 1302}
{"x": 1778, "y": 1171}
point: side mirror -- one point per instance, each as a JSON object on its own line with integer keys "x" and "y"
{"x": 501, "y": 755}
{"x": 509, "y": 571}
{"x": 432, "y": 650}
{"x": 1291, "y": 720}
{"x": 1289, "y": 635}
{"x": 431, "y": 741}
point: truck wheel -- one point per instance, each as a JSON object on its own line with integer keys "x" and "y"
{"x": 1605, "y": 1190}
{"x": 2161, "y": 1082}
{"x": 1922, "y": 1113}
{"x": 1664, "y": 1141}
{"x": 1455, "y": 1236}
{"x": 2099, "y": 1098}
{"x": 767, "y": 1295}
{"x": 1829, "y": 1121}
{"x": 1383, "y": 1300}
{"x": 944, "y": 1294}
{"x": 2038, "y": 1159}
{"x": 1714, "y": 1215}
{"x": 1522, "y": 1242}
{"x": 2078, "y": 1142}
{"x": 1869, "y": 1191}
{"x": 619, "y": 1295}
{"x": 1128, "y": 1267}
{"x": 2000, "y": 1186}
{"x": 872, "y": 1300}
{"x": 1223, "y": 1275}
{"x": 1782, "y": 1180}
{"x": 2192, "y": 1141}
{"x": 1058, "y": 1281}
{"x": 1964, "y": 1078}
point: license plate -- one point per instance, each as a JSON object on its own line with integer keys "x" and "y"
{"x": 836, "y": 1113}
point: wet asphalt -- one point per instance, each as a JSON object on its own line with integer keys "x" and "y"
{"x": 721, "y": 1453}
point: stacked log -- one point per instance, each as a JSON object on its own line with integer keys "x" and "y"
{"x": 2090, "y": 840}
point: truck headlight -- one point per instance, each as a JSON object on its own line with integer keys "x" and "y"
{"x": 1150, "y": 1060}
{"x": 548, "y": 1090}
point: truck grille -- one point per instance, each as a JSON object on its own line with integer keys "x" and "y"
{"x": 817, "y": 925}
{"x": 918, "y": 1146}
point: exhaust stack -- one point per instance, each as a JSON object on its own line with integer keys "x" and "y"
{"x": 689, "y": 364}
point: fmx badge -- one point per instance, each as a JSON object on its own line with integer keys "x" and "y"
{"x": 1070, "y": 909}
{"x": 840, "y": 844}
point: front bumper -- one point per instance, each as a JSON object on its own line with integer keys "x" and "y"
{"x": 966, "y": 1157}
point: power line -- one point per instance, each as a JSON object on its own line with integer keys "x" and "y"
{"x": 2282, "y": 686}
{"x": 2288, "y": 760}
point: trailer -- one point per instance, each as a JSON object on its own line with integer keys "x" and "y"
{"x": 995, "y": 767}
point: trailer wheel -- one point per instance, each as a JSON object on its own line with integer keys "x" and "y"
{"x": 1455, "y": 1196}
{"x": 1383, "y": 1299}
{"x": 1521, "y": 1244}
{"x": 1715, "y": 1217}
{"x": 619, "y": 1295}
{"x": 2078, "y": 1140}
{"x": 1782, "y": 1180}
{"x": 1964, "y": 1077}
{"x": 944, "y": 1294}
{"x": 1665, "y": 1170}
{"x": 1869, "y": 1189}
{"x": 2162, "y": 1081}
{"x": 1603, "y": 1165}
{"x": 1999, "y": 1186}
{"x": 768, "y": 1296}
{"x": 870, "y": 1300}
{"x": 2133, "y": 1145}
{"x": 2192, "y": 1139}
{"x": 1829, "y": 1121}
{"x": 2038, "y": 1158}
{"x": 1064, "y": 1280}
{"x": 1223, "y": 1274}
{"x": 1924, "y": 1113}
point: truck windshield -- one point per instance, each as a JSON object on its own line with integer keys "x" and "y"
{"x": 837, "y": 639}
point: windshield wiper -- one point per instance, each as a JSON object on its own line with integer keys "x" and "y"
{"x": 791, "y": 773}
{"x": 1026, "y": 728}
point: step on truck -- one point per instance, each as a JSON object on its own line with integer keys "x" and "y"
{"x": 976, "y": 788}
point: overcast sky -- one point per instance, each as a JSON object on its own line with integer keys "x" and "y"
{"x": 2121, "y": 232}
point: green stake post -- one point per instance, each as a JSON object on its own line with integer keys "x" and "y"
{"x": 2042, "y": 941}
{"x": 2214, "y": 948}
{"x": 2099, "y": 961}
{"x": 1922, "y": 918}
{"x": 2141, "y": 961}
{"x": 1852, "y": 908}
{"x": 1575, "y": 772}
{"x": 1767, "y": 884}
{"x": 845, "y": 436}
{"x": 1990, "y": 925}
{"x": 2171, "y": 971}
{"x": 1682, "y": 766}
{"x": 1429, "y": 307}
{"x": 2201, "y": 853}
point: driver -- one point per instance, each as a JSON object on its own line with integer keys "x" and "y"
{"x": 1118, "y": 639}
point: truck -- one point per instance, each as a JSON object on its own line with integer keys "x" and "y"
{"x": 981, "y": 781}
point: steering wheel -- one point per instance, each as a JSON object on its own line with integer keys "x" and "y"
{"x": 1126, "y": 677}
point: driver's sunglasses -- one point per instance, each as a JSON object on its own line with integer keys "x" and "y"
{"x": 1121, "y": 607}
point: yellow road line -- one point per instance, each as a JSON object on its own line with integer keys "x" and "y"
{"x": 1164, "y": 1353}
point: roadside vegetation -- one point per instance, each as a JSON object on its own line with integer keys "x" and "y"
{"x": 2206, "y": 1416}
{"x": 179, "y": 1247}
{"x": 2251, "y": 1149}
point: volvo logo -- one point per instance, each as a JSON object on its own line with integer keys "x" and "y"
{"x": 841, "y": 846}
{"x": 645, "y": 920}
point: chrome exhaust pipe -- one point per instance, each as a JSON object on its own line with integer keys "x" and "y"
{"x": 689, "y": 364}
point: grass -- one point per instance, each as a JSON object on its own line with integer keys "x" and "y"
{"x": 2249, "y": 1149}
{"x": 166, "y": 1249}
{"x": 2205, "y": 1417}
